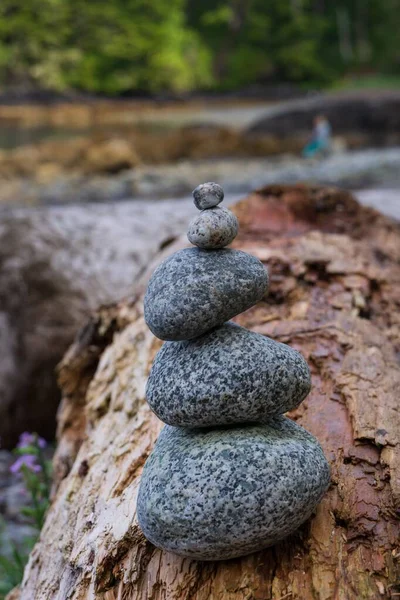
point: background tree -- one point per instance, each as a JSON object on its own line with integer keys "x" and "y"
{"x": 118, "y": 47}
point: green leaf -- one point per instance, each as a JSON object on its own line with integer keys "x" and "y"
{"x": 26, "y": 450}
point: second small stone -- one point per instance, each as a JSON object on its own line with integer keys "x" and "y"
{"x": 213, "y": 228}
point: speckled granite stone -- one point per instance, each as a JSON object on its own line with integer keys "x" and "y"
{"x": 213, "y": 228}
{"x": 195, "y": 290}
{"x": 207, "y": 195}
{"x": 213, "y": 494}
{"x": 229, "y": 375}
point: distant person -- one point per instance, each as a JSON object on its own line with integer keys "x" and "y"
{"x": 320, "y": 141}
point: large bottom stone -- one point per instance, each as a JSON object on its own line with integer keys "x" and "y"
{"x": 221, "y": 493}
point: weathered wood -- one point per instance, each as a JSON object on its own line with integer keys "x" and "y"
{"x": 335, "y": 290}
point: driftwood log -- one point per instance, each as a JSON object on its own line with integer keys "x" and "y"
{"x": 335, "y": 293}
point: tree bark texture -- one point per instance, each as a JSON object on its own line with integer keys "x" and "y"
{"x": 334, "y": 295}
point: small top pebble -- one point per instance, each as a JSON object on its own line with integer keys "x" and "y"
{"x": 208, "y": 195}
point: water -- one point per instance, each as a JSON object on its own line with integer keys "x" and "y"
{"x": 13, "y": 134}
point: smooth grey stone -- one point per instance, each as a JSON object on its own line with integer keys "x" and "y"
{"x": 228, "y": 375}
{"x": 214, "y": 494}
{"x": 207, "y": 195}
{"x": 195, "y": 290}
{"x": 213, "y": 228}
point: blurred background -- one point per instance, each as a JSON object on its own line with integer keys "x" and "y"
{"x": 111, "y": 112}
{"x": 112, "y": 100}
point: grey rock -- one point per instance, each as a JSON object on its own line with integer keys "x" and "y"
{"x": 6, "y": 460}
{"x": 214, "y": 494}
{"x": 16, "y": 498}
{"x": 213, "y": 228}
{"x": 229, "y": 375}
{"x": 15, "y": 534}
{"x": 57, "y": 265}
{"x": 208, "y": 195}
{"x": 195, "y": 290}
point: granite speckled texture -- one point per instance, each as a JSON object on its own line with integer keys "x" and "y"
{"x": 207, "y": 195}
{"x": 213, "y": 228}
{"x": 228, "y": 375}
{"x": 213, "y": 494}
{"x": 195, "y": 290}
{"x": 229, "y": 474}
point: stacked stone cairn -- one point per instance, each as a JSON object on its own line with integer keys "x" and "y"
{"x": 229, "y": 474}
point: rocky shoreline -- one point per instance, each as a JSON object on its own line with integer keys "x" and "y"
{"x": 112, "y": 151}
{"x": 374, "y": 168}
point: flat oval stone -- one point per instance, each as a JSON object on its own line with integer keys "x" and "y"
{"x": 207, "y": 195}
{"x": 213, "y": 228}
{"x": 228, "y": 375}
{"x": 221, "y": 493}
{"x": 195, "y": 290}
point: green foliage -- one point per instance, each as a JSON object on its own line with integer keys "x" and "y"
{"x": 119, "y": 46}
{"x": 12, "y": 564}
{"x": 35, "y": 470}
{"x": 31, "y": 36}
{"x": 369, "y": 82}
{"x": 101, "y": 46}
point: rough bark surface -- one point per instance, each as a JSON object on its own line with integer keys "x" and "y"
{"x": 335, "y": 290}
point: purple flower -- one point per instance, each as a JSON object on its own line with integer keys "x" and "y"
{"x": 26, "y": 439}
{"x": 41, "y": 442}
{"x": 28, "y": 461}
{"x": 31, "y": 439}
